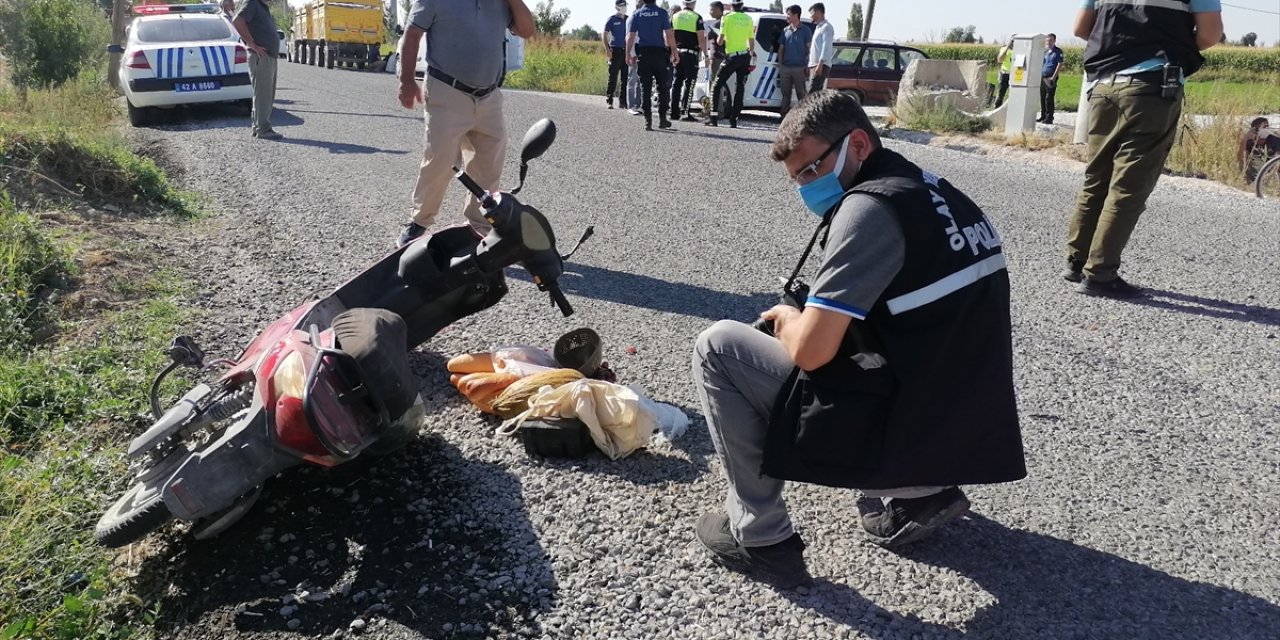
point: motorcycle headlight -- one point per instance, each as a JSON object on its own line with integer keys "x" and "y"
{"x": 290, "y": 377}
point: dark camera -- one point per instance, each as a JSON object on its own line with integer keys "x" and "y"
{"x": 794, "y": 294}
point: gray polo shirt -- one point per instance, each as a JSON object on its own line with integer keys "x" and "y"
{"x": 262, "y": 27}
{"x": 464, "y": 37}
{"x": 865, "y": 250}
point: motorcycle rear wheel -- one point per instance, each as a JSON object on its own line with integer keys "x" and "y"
{"x": 131, "y": 518}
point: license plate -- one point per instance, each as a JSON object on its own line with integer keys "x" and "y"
{"x": 209, "y": 85}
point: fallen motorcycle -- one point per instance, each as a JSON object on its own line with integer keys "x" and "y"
{"x": 329, "y": 380}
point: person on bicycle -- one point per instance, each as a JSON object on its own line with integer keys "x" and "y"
{"x": 1250, "y": 156}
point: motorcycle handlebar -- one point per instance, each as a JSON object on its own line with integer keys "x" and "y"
{"x": 558, "y": 299}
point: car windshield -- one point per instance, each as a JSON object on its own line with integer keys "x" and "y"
{"x": 846, "y": 56}
{"x": 183, "y": 29}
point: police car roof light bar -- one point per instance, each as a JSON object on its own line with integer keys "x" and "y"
{"x": 157, "y": 9}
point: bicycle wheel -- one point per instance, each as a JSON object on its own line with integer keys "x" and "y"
{"x": 1267, "y": 184}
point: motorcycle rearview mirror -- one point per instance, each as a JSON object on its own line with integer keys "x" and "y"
{"x": 536, "y": 142}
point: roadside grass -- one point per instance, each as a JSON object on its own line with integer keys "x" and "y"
{"x": 1209, "y": 149}
{"x": 561, "y": 66}
{"x": 1259, "y": 92}
{"x": 85, "y": 318}
{"x": 918, "y": 112}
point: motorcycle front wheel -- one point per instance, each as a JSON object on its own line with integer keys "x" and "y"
{"x": 137, "y": 513}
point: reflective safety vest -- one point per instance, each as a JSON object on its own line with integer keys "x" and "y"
{"x": 1006, "y": 67}
{"x": 736, "y": 28}
{"x": 685, "y": 20}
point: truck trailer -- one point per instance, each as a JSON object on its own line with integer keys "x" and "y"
{"x": 347, "y": 33}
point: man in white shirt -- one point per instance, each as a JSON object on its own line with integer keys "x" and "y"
{"x": 820, "y": 49}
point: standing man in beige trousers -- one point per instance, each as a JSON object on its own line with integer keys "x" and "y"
{"x": 257, "y": 28}
{"x": 466, "y": 62}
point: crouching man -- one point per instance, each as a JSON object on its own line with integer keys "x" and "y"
{"x": 896, "y": 375}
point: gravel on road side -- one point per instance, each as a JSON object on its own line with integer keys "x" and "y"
{"x": 1151, "y": 427}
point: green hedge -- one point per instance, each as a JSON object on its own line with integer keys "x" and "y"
{"x": 1246, "y": 59}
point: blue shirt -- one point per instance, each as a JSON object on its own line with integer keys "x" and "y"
{"x": 795, "y": 46}
{"x": 650, "y": 23}
{"x": 616, "y": 27}
{"x": 1052, "y": 58}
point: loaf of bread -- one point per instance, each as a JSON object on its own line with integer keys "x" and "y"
{"x": 479, "y": 362}
{"x": 482, "y": 387}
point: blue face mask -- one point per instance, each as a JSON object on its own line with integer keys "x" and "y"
{"x": 825, "y": 191}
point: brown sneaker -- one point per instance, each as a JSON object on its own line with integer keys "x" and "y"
{"x": 781, "y": 564}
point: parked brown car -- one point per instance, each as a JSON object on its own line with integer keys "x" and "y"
{"x": 870, "y": 70}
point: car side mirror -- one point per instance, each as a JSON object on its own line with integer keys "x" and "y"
{"x": 537, "y": 140}
{"x": 115, "y": 48}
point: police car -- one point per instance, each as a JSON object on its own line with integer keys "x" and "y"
{"x": 181, "y": 54}
{"x": 761, "y": 89}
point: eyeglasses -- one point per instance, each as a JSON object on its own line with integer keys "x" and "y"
{"x": 810, "y": 171}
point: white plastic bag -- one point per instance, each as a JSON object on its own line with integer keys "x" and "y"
{"x": 672, "y": 422}
{"x": 523, "y": 360}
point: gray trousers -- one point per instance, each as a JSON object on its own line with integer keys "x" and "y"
{"x": 740, "y": 372}
{"x": 792, "y": 79}
{"x": 262, "y": 73}
{"x": 634, "y": 92}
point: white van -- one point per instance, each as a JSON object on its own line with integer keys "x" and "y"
{"x": 762, "y": 83}
{"x": 515, "y": 56}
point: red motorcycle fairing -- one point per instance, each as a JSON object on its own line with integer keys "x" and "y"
{"x": 249, "y": 360}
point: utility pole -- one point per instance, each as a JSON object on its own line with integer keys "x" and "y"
{"x": 871, "y": 13}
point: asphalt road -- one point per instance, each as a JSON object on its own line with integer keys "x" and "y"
{"x": 1152, "y": 428}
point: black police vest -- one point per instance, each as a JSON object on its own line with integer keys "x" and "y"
{"x": 1127, "y": 34}
{"x": 942, "y": 411}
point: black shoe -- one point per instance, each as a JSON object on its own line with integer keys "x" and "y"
{"x": 711, "y": 123}
{"x": 733, "y": 124}
{"x": 1116, "y": 288}
{"x": 412, "y": 231}
{"x": 903, "y": 521}
{"x": 268, "y": 135}
{"x": 648, "y": 126}
{"x": 664, "y": 124}
{"x": 675, "y": 115}
{"x": 781, "y": 564}
{"x": 1074, "y": 272}
{"x": 609, "y": 101}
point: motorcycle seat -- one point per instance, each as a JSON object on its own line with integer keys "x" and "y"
{"x": 377, "y": 339}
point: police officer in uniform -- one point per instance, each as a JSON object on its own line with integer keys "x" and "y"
{"x": 650, "y": 33}
{"x": 691, "y": 44}
{"x": 1139, "y": 54}
{"x": 892, "y": 375}
{"x": 736, "y": 31}
{"x": 614, "y": 38}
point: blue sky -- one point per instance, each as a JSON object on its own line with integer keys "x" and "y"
{"x": 921, "y": 20}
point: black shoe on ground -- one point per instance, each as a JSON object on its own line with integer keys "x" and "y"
{"x": 412, "y": 231}
{"x": 648, "y": 126}
{"x": 1116, "y": 288}
{"x": 609, "y": 101}
{"x": 664, "y": 124}
{"x": 733, "y": 124}
{"x": 268, "y": 135}
{"x": 903, "y": 521}
{"x": 711, "y": 123}
{"x": 1074, "y": 272}
{"x": 781, "y": 564}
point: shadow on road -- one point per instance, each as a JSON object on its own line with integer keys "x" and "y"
{"x": 217, "y": 116}
{"x": 340, "y": 147}
{"x": 423, "y": 537}
{"x": 417, "y": 118}
{"x": 1209, "y": 307}
{"x": 660, "y": 295}
{"x": 1046, "y": 587}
